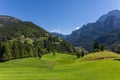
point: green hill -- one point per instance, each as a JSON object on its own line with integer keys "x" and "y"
{"x": 61, "y": 67}
{"x": 19, "y": 39}
{"x": 99, "y": 56}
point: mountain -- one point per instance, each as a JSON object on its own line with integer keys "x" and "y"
{"x": 8, "y": 19}
{"x": 20, "y": 39}
{"x": 115, "y": 13}
{"x": 88, "y": 34}
{"x": 110, "y": 40}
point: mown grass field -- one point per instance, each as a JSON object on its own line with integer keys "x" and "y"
{"x": 63, "y": 67}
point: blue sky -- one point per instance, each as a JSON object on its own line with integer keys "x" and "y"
{"x": 62, "y": 16}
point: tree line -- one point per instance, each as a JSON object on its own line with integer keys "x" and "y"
{"x": 13, "y": 49}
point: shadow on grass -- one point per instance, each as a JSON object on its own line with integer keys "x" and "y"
{"x": 117, "y": 59}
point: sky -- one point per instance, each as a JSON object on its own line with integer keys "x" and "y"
{"x": 62, "y": 16}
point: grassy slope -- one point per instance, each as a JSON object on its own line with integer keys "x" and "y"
{"x": 99, "y": 56}
{"x": 60, "y": 67}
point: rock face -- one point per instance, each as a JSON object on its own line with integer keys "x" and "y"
{"x": 115, "y": 13}
{"x": 8, "y": 19}
{"x": 88, "y": 34}
{"x": 110, "y": 40}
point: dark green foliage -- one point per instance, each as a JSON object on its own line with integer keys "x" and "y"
{"x": 98, "y": 47}
{"x": 78, "y": 55}
{"x": 13, "y": 50}
{"x": 5, "y": 51}
{"x": 102, "y": 48}
{"x": 53, "y": 52}
{"x": 17, "y": 49}
{"x": 81, "y": 52}
{"x": 118, "y": 49}
{"x": 39, "y": 52}
{"x": 21, "y": 29}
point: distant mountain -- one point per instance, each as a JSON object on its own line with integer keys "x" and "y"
{"x": 87, "y": 34}
{"x": 59, "y": 35}
{"x": 20, "y": 39}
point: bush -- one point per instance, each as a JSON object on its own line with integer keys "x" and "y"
{"x": 81, "y": 52}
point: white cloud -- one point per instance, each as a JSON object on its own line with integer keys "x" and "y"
{"x": 77, "y": 28}
{"x": 56, "y": 31}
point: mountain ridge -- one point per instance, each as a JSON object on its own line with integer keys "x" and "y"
{"x": 110, "y": 13}
{"x": 89, "y": 33}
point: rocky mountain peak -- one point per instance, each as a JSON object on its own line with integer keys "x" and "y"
{"x": 8, "y": 19}
{"x": 115, "y": 13}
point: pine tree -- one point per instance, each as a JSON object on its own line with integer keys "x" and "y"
{"x": 96, "y": 47}
{"x": 53, "y": 52}
{"x": 6, "y": 52}
{"x": 102, "y": 48}
{"x": 39, "y": 52}
{"x": 15, "y": 50}
{"x": 117, "y": 50}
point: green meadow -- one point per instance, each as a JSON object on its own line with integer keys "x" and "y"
{"x": 95, "y": 66}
